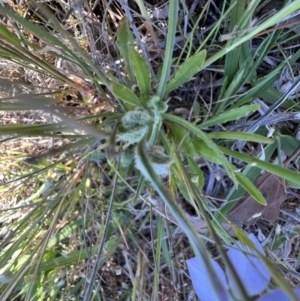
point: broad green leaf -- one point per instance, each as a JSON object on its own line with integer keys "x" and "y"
{"x": 125, "y": 42}
{"x": 194, "y": 147}
{"x": 250, "y": 188}
{"x": 202, "y": 150}
{"x": 230, "y": 114}
{"x": 272, "y": 168}
{"x": 125, "y": 94}
{"x": 213, "y": 147}
{"x": 181, "y": 139}
{"x": 142, "y": 75}
{"x": 240, "y": 136}
{"x": 187, "y": 185}
{"x": 186, "y": 71}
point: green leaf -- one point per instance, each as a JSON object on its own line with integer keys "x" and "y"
{"x": 30, "y": 130}
{"x": 229, "y": 115}
{"x": 142, "y": 75}
{"x": 295, "y": 185}
{"x": 197, "y": 176}
{"x": 193, "y": 147}
{"x": 240, "y": 136}
{"x": 269, "y": 22}
{"x": 271, "y": 95}
{"x": 289, "y": 144}
{"x": 236, "y": 194}
{"x": 186, "y": 71}
{"x": 213, "y": 147}
{"x": 272, "y": 168}
{"x": 125, "y": 94}
{"x": 166, "y": 68}
{"x": 9, "y": 36}
{"x": 181, "y": 138}
{"x": 232, "y": 59}
{"x": 179, "y": 183}
{"x": 235, "y": 84}
{"x": 250, "y": 188}
{"x": 125, "y": 43}
{"x": 204, "y": 151}
{"x": 275, "y": 244}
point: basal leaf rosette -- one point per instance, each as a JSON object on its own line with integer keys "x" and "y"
{"x": 135, "y": 125}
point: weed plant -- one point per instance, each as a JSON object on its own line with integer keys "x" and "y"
{"x": 122, "y": 134}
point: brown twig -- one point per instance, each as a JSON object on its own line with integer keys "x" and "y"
{"x": 292, "y": 157}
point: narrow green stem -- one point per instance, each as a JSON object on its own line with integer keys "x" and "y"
{"x": 155, "y": 128}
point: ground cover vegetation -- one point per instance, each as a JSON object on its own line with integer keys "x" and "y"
{"x": 138, "y": 136}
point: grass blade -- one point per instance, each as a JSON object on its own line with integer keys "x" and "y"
{"x": 173, "y": 13}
